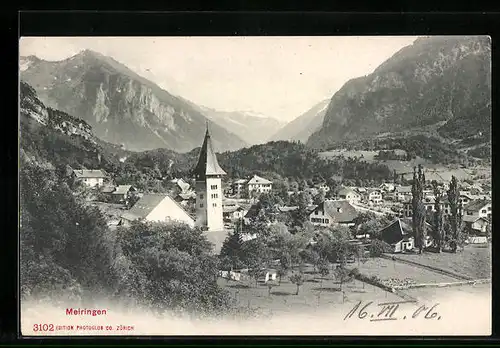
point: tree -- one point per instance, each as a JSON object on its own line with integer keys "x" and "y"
{"x": 231, "y": 250}
{"x": 312, "y": 256}
{"x": 298, "y": 280}
{"x": 455, "y": 217}
{"x": 437, "y": 226}
{"x": 282, "y": 272}
{"x": 418, "y": 208}
{"x": 378, "y": 247}
{"x": 324, "y": 269}
{"x": 319, "y": 197}
{"x": 169, "y": 266}
{"x": 270, "y": 284}
{"x": 343, "y": 275}
{"x": 255, "y": 253}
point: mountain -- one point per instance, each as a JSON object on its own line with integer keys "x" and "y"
{"x": 254, "y": 128}
{"x": 121, "y": 106}
{"x": 303, "y": 126}
{"x": 50, "y": 137}
{"x": 437, "y": 85}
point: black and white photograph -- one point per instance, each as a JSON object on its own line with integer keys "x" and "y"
{"x": 255, "y": 185}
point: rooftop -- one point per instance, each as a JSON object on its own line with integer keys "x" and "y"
{"x": 339, "y": 210}
{"x": 258, "y": 180}
{"x": 207, "y": 162}
{"x": 89, "y": 173}
{"x": 122, "y": 189}
{"x": 477, "y": 204}
{"x": 145, "y": 205}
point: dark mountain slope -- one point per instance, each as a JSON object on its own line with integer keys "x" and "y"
{"x": 121, "y": 106}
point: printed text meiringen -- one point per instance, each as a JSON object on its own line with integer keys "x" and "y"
{"x": 86, "y": 311}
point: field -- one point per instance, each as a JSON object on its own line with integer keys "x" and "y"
{"x": 438, "y": 172}
{"x": 474, "y": 261}
{"x": 316, "y": 294}
{"x": 312, "y": 294}
{"x": 386, "y": 269}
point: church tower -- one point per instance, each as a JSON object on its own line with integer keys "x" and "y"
{"x": 208, "y": 175}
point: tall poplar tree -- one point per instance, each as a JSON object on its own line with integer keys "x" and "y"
{"x": 418, "y": 208}
{"x": 455, "y": 217}
{"x": 437, "y": 226}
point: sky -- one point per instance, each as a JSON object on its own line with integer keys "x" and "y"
{"x": 279, "y": 77}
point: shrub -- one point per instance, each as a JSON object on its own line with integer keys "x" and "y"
{"x": 378, "y": 247}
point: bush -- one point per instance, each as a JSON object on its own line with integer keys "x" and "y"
{"x": 378, "y": 247}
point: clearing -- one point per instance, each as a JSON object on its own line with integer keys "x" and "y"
{"x": 397, "y": 273}
{"x": 313, "y": 294}
{"x": 474, "y": 261}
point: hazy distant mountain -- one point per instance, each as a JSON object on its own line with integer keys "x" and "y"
{"x": 440, "y": 83}
{"x": 121, "y": 106}
{"x": 303, "y": 126}
{"x": 253, "y": 127}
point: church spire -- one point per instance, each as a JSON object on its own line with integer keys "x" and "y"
{"x": 207, "y": 162}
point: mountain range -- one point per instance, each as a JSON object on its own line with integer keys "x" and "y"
{"x": 440, "y": 86}
{"x": 301, "y": 128}
{"x": 121, "y": 106}
{"x": 254, "y": 128}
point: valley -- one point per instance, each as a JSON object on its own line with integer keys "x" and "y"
{"x": 144, "y": 198}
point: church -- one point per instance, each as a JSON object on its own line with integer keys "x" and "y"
{"x": 208, "y": 175}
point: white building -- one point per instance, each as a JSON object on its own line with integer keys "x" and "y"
{"x": 480, "y": 208}
{"x": 387, "y": 187}
{"x": 90, "y": 178}
{"x": 259, "y": 185}
{"x": 333, "y": 212}
{"x": 374, "y": 196}
{"x": 158, "y": 207}
{"x": 208, "y": 175}
{"x": 403, "y": 193}
{"x": 349, "y": 195}
{"x": 238, "y": 187}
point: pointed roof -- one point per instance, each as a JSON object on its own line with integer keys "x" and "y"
{"x": 207, "y": 162}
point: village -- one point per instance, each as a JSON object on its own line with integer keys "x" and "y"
{"x": 124, "y": 203}
{"x": 219, "y": 208}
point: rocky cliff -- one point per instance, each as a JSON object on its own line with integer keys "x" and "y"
{"x": 121, "y": 106}
{"x": 302, "y": 127}
{"x": 437, "y": 84}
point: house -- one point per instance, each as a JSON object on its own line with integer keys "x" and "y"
{"x": 313, "y": 191}
{"x": 324, "y": 187}
{"x": 107, "y": 189}
{"x": 268, "y": 275}
{"x": 429, "y": 204}
{"x": 233, "y": 212}
{"x": 332, "y": 212}
{"x": 181, "y": 184}
{"x": 466, "y": 198}
{"x": 403, "y": 193}
{"x": 398, "y": 235}
{"x": 158, "y": 207}
{"x": 185, "y": 198}
{"x": 387, "y": 187}
{"x": 374, "y": 196}
{"x": 475, "y": 224}
{"x": 258, "y": 185}
{"x": 91, "y": 177}
{"x": 349, "y": 195}
{"x": 287, "y": 209}
{"x": 478, "y": 208}
{"x": 122, "y": 193}
{"x": 238, "y": 187}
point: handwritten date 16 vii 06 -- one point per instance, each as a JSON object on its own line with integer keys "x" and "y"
{"x": 392, "y": 311}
